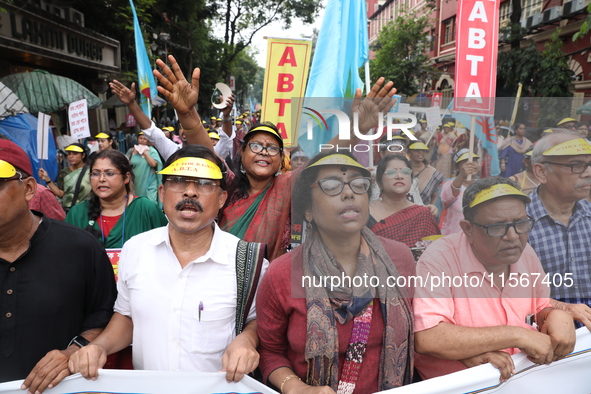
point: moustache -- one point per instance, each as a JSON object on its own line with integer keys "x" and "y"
{"x": 189, "y": 201}
{"x": 583, "y": 182}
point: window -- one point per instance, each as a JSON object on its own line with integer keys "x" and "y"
{"x": 449, "y": 31}
{"x": 530, "y": 7}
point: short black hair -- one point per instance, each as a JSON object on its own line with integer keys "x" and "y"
{"x": 480, "y": 185}
{"x": 200, "y": 152}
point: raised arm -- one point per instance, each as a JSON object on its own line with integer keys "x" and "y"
{"x": 183, "y": 96}
{"x": 378, "y": 99}
{"x": 127, "y": 97}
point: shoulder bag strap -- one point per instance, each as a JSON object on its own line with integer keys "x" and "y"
{"x": 78, "y": 182}
{"x": 249, "y": 262}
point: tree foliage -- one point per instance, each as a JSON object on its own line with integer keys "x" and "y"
{"x": 400, "y": 54}
{"x": 240, "y": 20}
{"x": 544, "y": 74}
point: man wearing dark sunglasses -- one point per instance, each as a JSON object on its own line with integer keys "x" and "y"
{"x": 561, "y": 236}
{"x": 496, "y": 300}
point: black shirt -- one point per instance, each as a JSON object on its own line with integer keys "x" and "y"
{"x": 61, "y": 286}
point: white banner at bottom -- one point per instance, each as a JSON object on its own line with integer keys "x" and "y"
{"x": 570, "y": 375}
{"x": 112, "y": 381}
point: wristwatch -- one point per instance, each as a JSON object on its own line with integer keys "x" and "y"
{"x": 229, "y": 118}
{"x": 79, "y": 341}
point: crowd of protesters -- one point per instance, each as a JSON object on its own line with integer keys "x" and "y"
{"x": 209, "y": 279}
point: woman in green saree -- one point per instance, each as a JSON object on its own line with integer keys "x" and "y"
{"x": 146, "y": 163}
{"x": 73, "y": 181}
{"x": 113, "y": 214}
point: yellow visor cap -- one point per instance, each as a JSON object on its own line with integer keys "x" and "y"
{"x": 465, "y": 157}
{"x": 103, "y": 135}
{"x": 565, "y": 120}
{"x": 74, "y": 148}
{"x": 418, "y": 146}
{"x": 7, "y": 170}
{"x": 574, "y": 147}
{"x": 499, "y": 190}
{"x": 194, "y": 167}
{"x": 214, "y": 135}
{"x": 340, "y": 160}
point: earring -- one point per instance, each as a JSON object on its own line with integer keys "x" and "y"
{"x": 242, "y": 170}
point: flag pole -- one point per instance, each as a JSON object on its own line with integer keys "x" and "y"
{"x": 367, "y": 89}
{"x": 515, "y": 107}
{"x": 471, "y": 146}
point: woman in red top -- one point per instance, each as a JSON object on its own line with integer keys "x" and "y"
{"x": 306, "y": 329}
{"x": 394, "y": 216}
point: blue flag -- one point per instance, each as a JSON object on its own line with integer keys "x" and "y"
{"x": 342, "y": 48}
{"x": 144, "y": 70}
{"x": 486, "y": 132}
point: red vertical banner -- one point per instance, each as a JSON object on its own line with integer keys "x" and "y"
{"x": 476, "y": 56}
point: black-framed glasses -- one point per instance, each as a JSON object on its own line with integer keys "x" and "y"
{"x": 575, "y": 168}
{"x": 392, "y": 172}
{"x": 334, "y": 187}
{"x": 179, "y": 184}
{"x": 500, "y": 229}
{"x": 272, "y": 150}
{"x": 107, "y": 174}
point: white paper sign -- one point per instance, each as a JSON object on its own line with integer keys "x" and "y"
{"x": 43, "y": 136}
{"x": 433, "y": 118}
{"x": 78, "y": 119}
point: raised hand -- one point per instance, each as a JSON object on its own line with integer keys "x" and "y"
{"x": 379, "y": 99}
{"x": 175, "y": 88}
{"x": 125, "y": 94}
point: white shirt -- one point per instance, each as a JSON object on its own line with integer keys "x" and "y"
{"x": 169, "y": 331}
{"x": 166, "y": 147}
{"x": 225, "y": 144}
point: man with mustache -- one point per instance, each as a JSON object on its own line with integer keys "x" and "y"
{"x": 561, "y": 236}
{"x": 495, "y": 293}
{"x": 180, "y": 301}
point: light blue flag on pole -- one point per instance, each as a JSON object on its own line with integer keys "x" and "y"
{"x": 342, "y": 48}
{"x": 486, "y": 132}
{"x": 144, "y": 70}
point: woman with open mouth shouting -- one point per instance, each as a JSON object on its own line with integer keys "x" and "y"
{"x": 306, "y": 325}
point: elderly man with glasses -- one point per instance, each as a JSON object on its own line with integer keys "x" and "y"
{"x": 561, "y": 236}
{"x": 484, "y": 295}
{"x": 185, "y": 290}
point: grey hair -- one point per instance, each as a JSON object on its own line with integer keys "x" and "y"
{"x": 550, "y": 140}
{"x": 478, "y": 186}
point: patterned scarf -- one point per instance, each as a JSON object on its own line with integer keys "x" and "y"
{"x": 325, "y": 310}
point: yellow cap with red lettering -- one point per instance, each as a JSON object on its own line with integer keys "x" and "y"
{"x": 193, "y": 167}
{"x": 495, "y": 191}
{"x": 578, "y": 146}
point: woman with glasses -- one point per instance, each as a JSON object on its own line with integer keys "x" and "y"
{"x": 394, "y": 216}
{"x": 258, "y": 207}
{"x": 113, "y": 214}
{"x": 146, "y": 163}
{"x": 306, "y": 330}
{"x": 72, "y": 185}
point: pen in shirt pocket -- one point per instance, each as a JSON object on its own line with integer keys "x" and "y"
{"x": 200, "y": 309}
